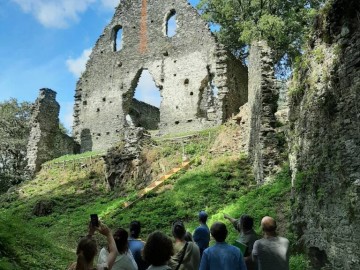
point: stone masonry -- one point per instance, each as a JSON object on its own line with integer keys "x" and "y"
{"x": 144, "y": 115}
{"x": 325, "y": 140}
{"x": 201, "y": 84}
{"x": 257, "y": 117}
{"x": 46, "y": 140}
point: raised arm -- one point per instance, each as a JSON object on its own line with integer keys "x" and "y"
{"x": 113, "y": 252}
{"x": 232, "y": 220}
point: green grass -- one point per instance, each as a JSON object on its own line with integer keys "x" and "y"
{"x": 219, "y": 185}
{"x": 74, "y": 157}
{"x": 208, "y": 187}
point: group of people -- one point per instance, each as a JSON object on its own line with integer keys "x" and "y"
{"x": 186, "y": 251}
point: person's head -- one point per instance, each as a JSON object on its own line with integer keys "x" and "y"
{"x": 203, "y": 217}
{"x": 121, "y": 240}
{"x": 246, "y": 222}
{"x": 178, "y": 230}
{"x": 135, "y": 229}
{"x": 86, "y": 251}
{"x": 218, "y": 231}
{"x": 158, "y": 249}
{"x": 268, "y": 225}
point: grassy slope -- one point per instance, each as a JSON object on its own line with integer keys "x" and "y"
{"x": 220, "y": 185}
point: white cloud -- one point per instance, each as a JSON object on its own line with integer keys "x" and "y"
{"x": 77, "y": 66}
{"x": 147, "y": 91}
{"x": 60, "y": 13}
{"x": 110, "y": 3}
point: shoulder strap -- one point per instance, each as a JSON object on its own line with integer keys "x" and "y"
{"x": 182, "y": 256}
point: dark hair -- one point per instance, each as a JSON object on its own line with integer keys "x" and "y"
{"x": 178, "y": 229}
{"x": 247, "y": 222}
{"x": 158, "y": 249}
{"x": 218, "y": 231}
{"x": 135, "y": 229}
{"x": 203, "y": 216}
{"x": 86, "y": 251}
{"x": 188, "y": 237}
{"x": 121, "y": 240}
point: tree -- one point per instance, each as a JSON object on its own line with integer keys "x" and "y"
{"x": 284, "y": 24}
{"x": 14, "y": 133}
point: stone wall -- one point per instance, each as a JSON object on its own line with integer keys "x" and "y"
{"x": 46, "y": 140}
{"x": 144, "y": 115}
{"x": 325, "y": 140}
{"x": 262, "y": 105}
{"x": 124, "y": 163}
{"x": 200, "y": 83}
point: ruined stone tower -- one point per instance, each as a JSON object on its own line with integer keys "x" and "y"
{"x": 200, "y": 83}
{"x": 46, "y": 140}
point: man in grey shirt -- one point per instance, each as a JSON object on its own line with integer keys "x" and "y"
{"x": 272, "y": 251}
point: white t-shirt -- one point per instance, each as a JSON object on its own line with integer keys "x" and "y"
{"x": 122, "y": 262}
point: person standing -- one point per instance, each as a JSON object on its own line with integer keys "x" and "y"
{"x": 222, "y": 255}
{"x": 157, "y": 251}
{"x": 187, "y": 254}
{"x": 272, "y": 251}
{"x": 201, "y": 234}
{"x": 136, "y": 245}
{"x": 87, "y": 250}
{"x": 247, "y": 236}
{"x": 124, "y": 259}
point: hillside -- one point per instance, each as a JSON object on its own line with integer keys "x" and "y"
{"x": 219, "y": 184}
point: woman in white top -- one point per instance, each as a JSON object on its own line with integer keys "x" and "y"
{"x": 124, "y": 259}
{"x": 87, "y": 249}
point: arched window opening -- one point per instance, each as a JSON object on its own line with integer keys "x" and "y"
{"x": 117, "y": 38}
{"x": 170, "y": 24}
{"x": 144, "y": 110}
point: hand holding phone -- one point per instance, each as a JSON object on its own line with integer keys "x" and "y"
{"x": 94, "y": 219}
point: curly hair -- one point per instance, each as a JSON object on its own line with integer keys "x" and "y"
{"x": 158, "y": 249}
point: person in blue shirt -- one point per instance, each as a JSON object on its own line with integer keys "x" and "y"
{"x": 136, "y": 245}
{"x": 202, "y": 233}
{"x": 222, "y": 255}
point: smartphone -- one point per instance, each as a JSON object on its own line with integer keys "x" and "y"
{"x": 94, "y": 220}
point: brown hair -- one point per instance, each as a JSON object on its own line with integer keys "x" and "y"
{"x": 86, "y": 251}
{"x": 158, "y": 249}
{"x": 121, "y": 240}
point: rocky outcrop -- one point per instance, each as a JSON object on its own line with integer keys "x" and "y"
{"x": 125, "y": 162}
{"x": 46, "y": 140}
{"x": 324, "y": 139}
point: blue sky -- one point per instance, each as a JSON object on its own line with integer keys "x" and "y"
{"x": 45, "y": 43}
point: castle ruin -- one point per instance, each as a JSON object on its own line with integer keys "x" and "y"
{"x": 46, "y": 140}
{"x": 200, "y": 83}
